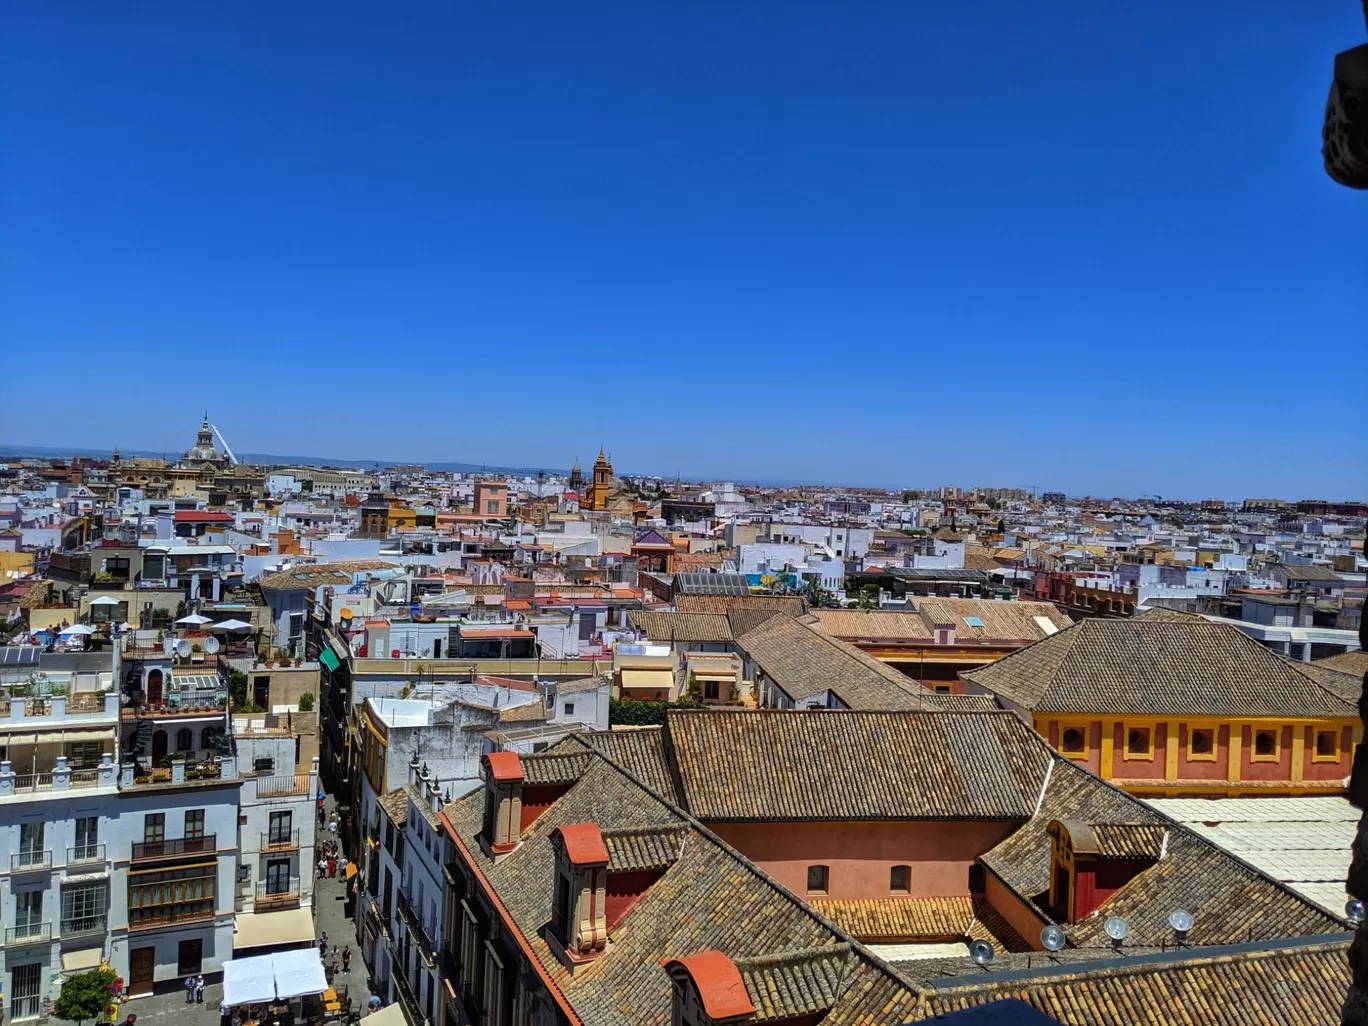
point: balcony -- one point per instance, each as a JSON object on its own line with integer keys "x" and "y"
{"x": 148, "y": 851}
{"x": 28, "y": 933}
{"x": 82, "y": 925}
{"x": 414, "y": 924}
{"x": 407, "y": 997}
{"x": 282, "y": 785}
{"x": 277, "y": 893}
{"x": 85, "y": 853}
{"x": 146, "y": 919}
{"x": 280, "y": 840}
{"x": 30, "y": 861}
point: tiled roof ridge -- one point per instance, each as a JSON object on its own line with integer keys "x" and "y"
{"x": 1199, "y": 954}
{"x": 792, "y": 957}
{"x": 698, "y": 828}
{"x": 645, "y": 830}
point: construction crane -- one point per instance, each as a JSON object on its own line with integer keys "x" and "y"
{"x": 232, "y": 460}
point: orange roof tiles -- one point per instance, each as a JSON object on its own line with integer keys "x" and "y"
{"x": 504, "y": 765}
{"x": 583, "y": 843}
{"x": 718, "y": 982}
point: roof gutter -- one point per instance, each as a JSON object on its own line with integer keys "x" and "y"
{"x": 514, "y": 930}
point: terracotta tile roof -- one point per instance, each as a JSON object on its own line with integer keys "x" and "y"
{"x": 793, "y": 605}
{"x": 311, "y": 575}
{"x": 1231, "y": 900}
{"x": 1355, "y": 663}
{"x": 901, "y": 919}
{"x": 1010, "y": 622}
{"x": 1309, "y": 573}
{"x": 635, "y": 848}
{"x": 855, "y": 765}
{"x": 709, "y": 898}
{"x": 806, "y": 664}
{"x": 395, "y": 805}
{"x": 640, "y": 752}
{"x": 704, "y": 627}
{"x": 1293, "y": 984}
{"x": 1159, "y": 667}
{"x": 797, "y": 983}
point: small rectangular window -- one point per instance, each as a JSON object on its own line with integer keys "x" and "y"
{"x": 569, "y": 708}
{"x": 1327, "y": 746}
{"x": 194, "y": 823}
{"x": 817, "y": 879}
{"x": 154, "y": 827}
{"x": 1266, "y": 746}
{"x": 1139, "y": 743}
{"x": 899, "y": 879}
{"x": 1073, "y": 741}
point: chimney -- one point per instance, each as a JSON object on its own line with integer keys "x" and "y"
{"x": 503, "y": 780}
{"x": 578, "y": 913}
{"x": 707, "y": 990}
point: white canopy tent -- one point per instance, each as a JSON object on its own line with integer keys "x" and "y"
{"x": 194, "y": 619}
{"x": 274, "y": 977}
{"x": 106, "y": 600}
{"x": 79, "y": 628}
{"x": 232, "y": 625}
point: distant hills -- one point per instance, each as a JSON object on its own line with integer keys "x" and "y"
{"x": 266, "y": 459}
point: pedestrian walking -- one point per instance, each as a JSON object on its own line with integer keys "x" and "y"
{"x": 199, "y": 990}
{"x": 374, "y": 1003}
{"x": 332, "y": 868}
{"x": 323, "y": 944}
{"x": 332, "y": 824}
{"x": 322, "y": 867}
{"x": 346, "y": 959}
{"x": 189, "y": 990}
{"x": 342, "y": 866}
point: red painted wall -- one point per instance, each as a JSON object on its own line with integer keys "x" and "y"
{"x": 624, "y": 890}
{"x": 1023, "y": 918}
{"x": 1217, "y": 769}
{"x": 537, "y": 798}
{"x": 1138, "y": 769}
{"x": 1328, "y": 770}
{"x": 860, "y": 855}
{"x": 1097, "y": 881}
{"x": 1280, "y": 770}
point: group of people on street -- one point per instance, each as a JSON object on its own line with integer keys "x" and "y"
{"x": 194, "y": 990}
{"x": 331, "y": 861}
{"x": 343, "y": 957}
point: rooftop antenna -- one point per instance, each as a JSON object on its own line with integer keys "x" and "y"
{"x": 981, "y": 951}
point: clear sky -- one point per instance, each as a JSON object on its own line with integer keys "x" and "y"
{"x": 1082, "y": 245}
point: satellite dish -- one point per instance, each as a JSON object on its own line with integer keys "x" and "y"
{"x": 1116, "y": 928}
{"x": 1353, "y": 911}
{"x": 211, "y": 645}
{"x": 1181, "y": 921}
{"x": 1052, "y": 937}
{"x": 981, "y": 951}
{"x": 183, "y": 648}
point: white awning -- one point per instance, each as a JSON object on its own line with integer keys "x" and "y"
{"x": 390, "y": 1015}
{"x": 288, "y": 926}
{"x": 106, "y": 600}
{"x": 82, "y": 959}
{"x": 275, "y": 977}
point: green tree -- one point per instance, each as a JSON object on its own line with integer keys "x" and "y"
{"x": 84, "y": 996}
{"x": 911, "y": 496}
{"x": 817, "y": 596}
{"x": 868, "y": 597}
{"x": 306, "y": 702}
{"x": 237, "y": 689}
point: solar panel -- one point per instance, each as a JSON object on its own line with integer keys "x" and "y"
{"x": 712, "y": 584}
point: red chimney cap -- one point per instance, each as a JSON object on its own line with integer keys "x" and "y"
{"x": 718, "y": 982}
{"x": 504, "y": 765}
{"x": 583, "y": 843}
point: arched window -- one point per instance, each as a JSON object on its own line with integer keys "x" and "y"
{"x": 185, "y": 739}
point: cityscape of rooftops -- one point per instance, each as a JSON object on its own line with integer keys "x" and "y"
{"x": 690, "y": 516}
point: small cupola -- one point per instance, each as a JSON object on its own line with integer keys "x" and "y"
{"x": 707, "y": 990}
{"x": 503, "y": 781}
{"x": 579, "y": 900}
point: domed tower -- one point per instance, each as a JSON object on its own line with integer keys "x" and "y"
{"x": 576, "y": 483}
{"x": 203, "y": 450}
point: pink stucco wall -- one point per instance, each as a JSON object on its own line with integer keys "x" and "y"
{"x": 1023, "y": 919}
{"x": 859, "y": 856}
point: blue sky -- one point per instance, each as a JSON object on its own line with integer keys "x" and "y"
{"x": 1076, "y": 245}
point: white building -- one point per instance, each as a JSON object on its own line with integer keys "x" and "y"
{"x": 58, "y": 804}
